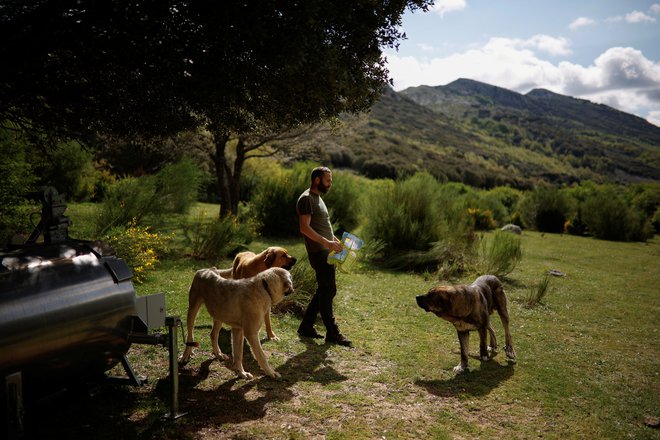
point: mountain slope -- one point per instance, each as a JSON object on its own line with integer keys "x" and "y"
{"x": 485, "y": 135}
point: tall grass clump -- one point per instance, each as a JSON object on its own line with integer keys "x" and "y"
{"x": 214, "y": 238}
{"x": 304, "y": 284}
{"x": 147, "y": 198}
{"x": 499, "y": 254}
{"x": 538, "y": 292}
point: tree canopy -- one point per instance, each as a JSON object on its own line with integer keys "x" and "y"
{"x": 151, "y": 67}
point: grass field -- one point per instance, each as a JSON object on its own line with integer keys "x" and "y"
{"x": 588, "y": 362}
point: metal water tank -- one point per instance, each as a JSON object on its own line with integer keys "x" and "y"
{"x": 65, "y": 312}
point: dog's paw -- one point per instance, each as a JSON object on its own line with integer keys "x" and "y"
{"x": 185, "y": 357}
{"x": 244, "y": 375}
{"x": 459, "y": 369}
{"x": 221, "y": 356}
{"x": 485, "y": 358}
{"x": 273, "y": 337}
{"x": 509, "y": 351}
{"x": 274, "y": 375}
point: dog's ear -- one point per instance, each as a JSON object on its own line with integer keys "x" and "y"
{"x": 270, "y": 257}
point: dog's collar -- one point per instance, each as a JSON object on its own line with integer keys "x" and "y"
{"x": 267, "y": 289}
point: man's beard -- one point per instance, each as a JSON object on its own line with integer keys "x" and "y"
{"x": 323, "y": 189}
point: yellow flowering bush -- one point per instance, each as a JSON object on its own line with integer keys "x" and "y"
{"x": 482, "y": 219}
{"x": 138, "y": 247}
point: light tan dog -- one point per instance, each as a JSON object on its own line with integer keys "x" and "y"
{"x": 248, "y": 264}
{"x": 240, "y": 303}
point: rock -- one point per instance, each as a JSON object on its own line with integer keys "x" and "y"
{"x": 512, "y": 228}
{"x": 652, "y": 422}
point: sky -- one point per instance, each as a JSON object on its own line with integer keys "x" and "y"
{"x": 605, "y": 51}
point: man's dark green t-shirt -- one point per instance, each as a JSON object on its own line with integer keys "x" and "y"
{"x": 312, "y": 204}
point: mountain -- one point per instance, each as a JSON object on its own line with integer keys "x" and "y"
{"x": 485, "y": 135}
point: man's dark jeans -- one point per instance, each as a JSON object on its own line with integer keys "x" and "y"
{"x": 325, "y": 293}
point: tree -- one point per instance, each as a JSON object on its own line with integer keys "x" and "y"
{"x": 150, "y": 67}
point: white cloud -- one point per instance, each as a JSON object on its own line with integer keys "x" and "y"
{"x": 655, "y": 9}
{"x": 551, "y": 45}
{"x": 443, "y": 6}
{"x": 502, "y": 61}
{"x": 634, "y": 17}
{"x": 654, "y": 117}
{"x": 618, "y": 68}
{"x": 620, "y": 77}
{"x": 426, "y": 47}
{"x": 581, "y": 22}
{"x": 639, "y": 17}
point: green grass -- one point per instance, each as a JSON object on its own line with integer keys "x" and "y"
{"x": 588, "y": 360}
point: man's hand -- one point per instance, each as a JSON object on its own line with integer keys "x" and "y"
{"x": 335, "y": 245}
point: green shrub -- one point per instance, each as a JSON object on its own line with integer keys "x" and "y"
{"x": 177, "y": 186}
{"x": 138, "y": 247}
{"x": 500, "y": 253}
{"x": 128, "y": 199}
{"x": 421, "y": 225}
{"x": 274, "y": 205}
{"x": 508, "y": 198}
{"x": 344, "y": 201}
{"x": 17, "y": 180}
{"x": 544, "y": 209}
{"x": 608, "y": 216}
{"x": 69, "y": 168}
{"x": 215, "y": 238}
{"x": 655, "y": 220}
{"x": 404, "y": 215}
{"x": 482, "y": 219}
{"x": 138, "y": 199}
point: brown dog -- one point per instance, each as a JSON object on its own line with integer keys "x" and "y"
{"x": 240, "y": 303}
{"x": 248, "y": 264}
{"x": 469, "y": 308}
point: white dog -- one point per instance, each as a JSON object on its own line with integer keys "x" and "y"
{"x": 240, "y": 303}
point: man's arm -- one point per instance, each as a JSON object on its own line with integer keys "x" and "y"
{"x": 305, "y": 229}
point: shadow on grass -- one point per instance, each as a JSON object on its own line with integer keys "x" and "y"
{"x": 122, "y": 412}
{"x": 472, "y": 382}
{"x": 229, "y": 402}
{"x": 83, "y": 412}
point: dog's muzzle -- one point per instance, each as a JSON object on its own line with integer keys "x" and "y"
{"x": 421, "y": 301}
{"x": 289, "y": 266}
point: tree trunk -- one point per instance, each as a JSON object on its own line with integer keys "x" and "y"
{"x": 229, "y": 178}
{"x": 235, "y": 182}
{"x": 222, "y": 170}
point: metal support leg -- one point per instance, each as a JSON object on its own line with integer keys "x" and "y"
{"x": 172, "y": 323}
{"x": 13, "y": 407}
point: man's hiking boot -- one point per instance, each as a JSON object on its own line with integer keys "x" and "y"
{"x": 309, "y": 333}
{"x": 338, "y": 338}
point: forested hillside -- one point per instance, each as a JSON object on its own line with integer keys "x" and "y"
{"x": 485, "y": 136}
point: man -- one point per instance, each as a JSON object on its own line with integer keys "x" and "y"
{"x": 315, "y": 227}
